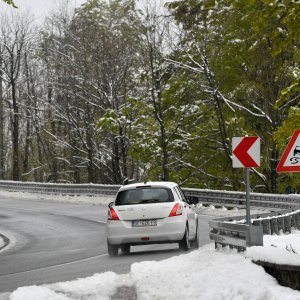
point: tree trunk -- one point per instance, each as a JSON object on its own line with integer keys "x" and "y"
{"x": 28, "y": 121}
{"x": 26, "y": 148}
{"x": 15, "y": 133}
{"x": 1, "y": 126}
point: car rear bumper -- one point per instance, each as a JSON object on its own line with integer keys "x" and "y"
{"x": 168, "y": 230}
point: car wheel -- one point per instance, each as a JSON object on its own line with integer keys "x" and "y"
{"x": 112, "y": 249}
{"x": 184, "y": 244}
{"x": 125, "y": 249}
{"x": 195, "y": 242}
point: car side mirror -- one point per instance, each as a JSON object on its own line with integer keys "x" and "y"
{"x": 110, "y": 204}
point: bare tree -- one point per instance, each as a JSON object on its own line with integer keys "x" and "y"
{"x": 154, "y": 49}
{"x": 1, "y": 121}
{"x": 14, "y": 33}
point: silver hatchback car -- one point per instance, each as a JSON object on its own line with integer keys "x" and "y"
{"x": 150, "y": 213}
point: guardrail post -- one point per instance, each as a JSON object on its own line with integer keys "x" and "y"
{"x": 280, "y": 222}
{"x": 297, "y": 217}
{"x": 293, "y": 222}
{"x": 254, "y": 236}
{"x": 266, "y": 226}
{"x": 274, "y": 225}
{"x": 256, "y": 222}
{"x": 287, "y": 224}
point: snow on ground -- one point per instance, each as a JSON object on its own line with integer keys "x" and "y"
{"x": 106, "y": 199}
{"x": 225, "y": 212}
{"x": 81, "y": 199}
{"x": 201, "y": 274}
{"x": 281, "y": 249}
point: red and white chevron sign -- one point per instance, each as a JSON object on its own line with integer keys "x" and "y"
{"x": 246, "y": 152}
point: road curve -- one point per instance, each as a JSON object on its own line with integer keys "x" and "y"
{"x": 54, "y": 241}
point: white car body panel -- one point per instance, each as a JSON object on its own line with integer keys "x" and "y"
{"x": 168, "y": 229}
{"x": 144, "y": 211}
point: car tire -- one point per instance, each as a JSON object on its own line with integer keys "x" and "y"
{"x": 112, "y": 249}
{"x": 195, "y": 242}
{"x": 125, "y": 249}
{"x": 184, "y": 244}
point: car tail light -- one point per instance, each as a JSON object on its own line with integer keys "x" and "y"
{"x": 176, "y": 210}
{"x": 112, "y": 215}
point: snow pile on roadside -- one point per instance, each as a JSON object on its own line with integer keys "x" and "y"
{"x": 203, "y": 273}
{"x": 96, "y": 287}
{"x": 280, "y": 249}
{"x": 81, "y": 199}
{"x": 225, "y": 212}
{"x": 207, "y": 274}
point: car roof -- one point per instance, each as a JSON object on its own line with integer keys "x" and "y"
{"x": 167, "y": 184}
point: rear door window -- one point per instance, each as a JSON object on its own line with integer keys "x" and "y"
{"x": 144, "y": 196}
{"x": 178, "y": 194}
{"x": 182, "y": 194}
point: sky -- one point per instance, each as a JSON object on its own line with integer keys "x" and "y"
{"x": 39, "y": 8}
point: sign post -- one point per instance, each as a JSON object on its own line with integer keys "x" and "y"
{"x": 246, "y": 154}
{"x": 248, "y": 220}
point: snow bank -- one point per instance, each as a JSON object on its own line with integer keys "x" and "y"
{"x": 279, "y": 249}
{"x": 97, "y": 287}
{"x": 224, "y": 212}
{"x": 207, "y": 274}
{"x": 82, "y": 199}
{"x": 204, "y": 273}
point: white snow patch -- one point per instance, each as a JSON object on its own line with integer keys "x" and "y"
{"x": 279, "y": 249}
{"x": 225, "y": 212}
{"x": 37, "y": 293}
{"x": 204, "y": 273}
{"x": 76, "y": 199}
{"x": 96, "y": 287}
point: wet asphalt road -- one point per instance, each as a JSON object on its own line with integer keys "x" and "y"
{"x": 53, "y": 242}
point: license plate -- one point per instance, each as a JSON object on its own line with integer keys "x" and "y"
{"x": 143, "y": 223}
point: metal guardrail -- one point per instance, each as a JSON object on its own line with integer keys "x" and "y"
{"x": 223, "y": 232}
{"x": 238, "y": 199}
{"x": 283, "y": 221}
{"x": 66, "y": 189}
{"x": 235, "y": 233}
{"x": 214, "y": 197}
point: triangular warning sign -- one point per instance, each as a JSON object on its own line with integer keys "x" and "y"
{"x": 290, "y": 160}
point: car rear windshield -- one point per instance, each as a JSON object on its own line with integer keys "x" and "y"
{"x": 144, "y": 196}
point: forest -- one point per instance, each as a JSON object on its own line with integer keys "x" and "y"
{"x": 120, "y": 89}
